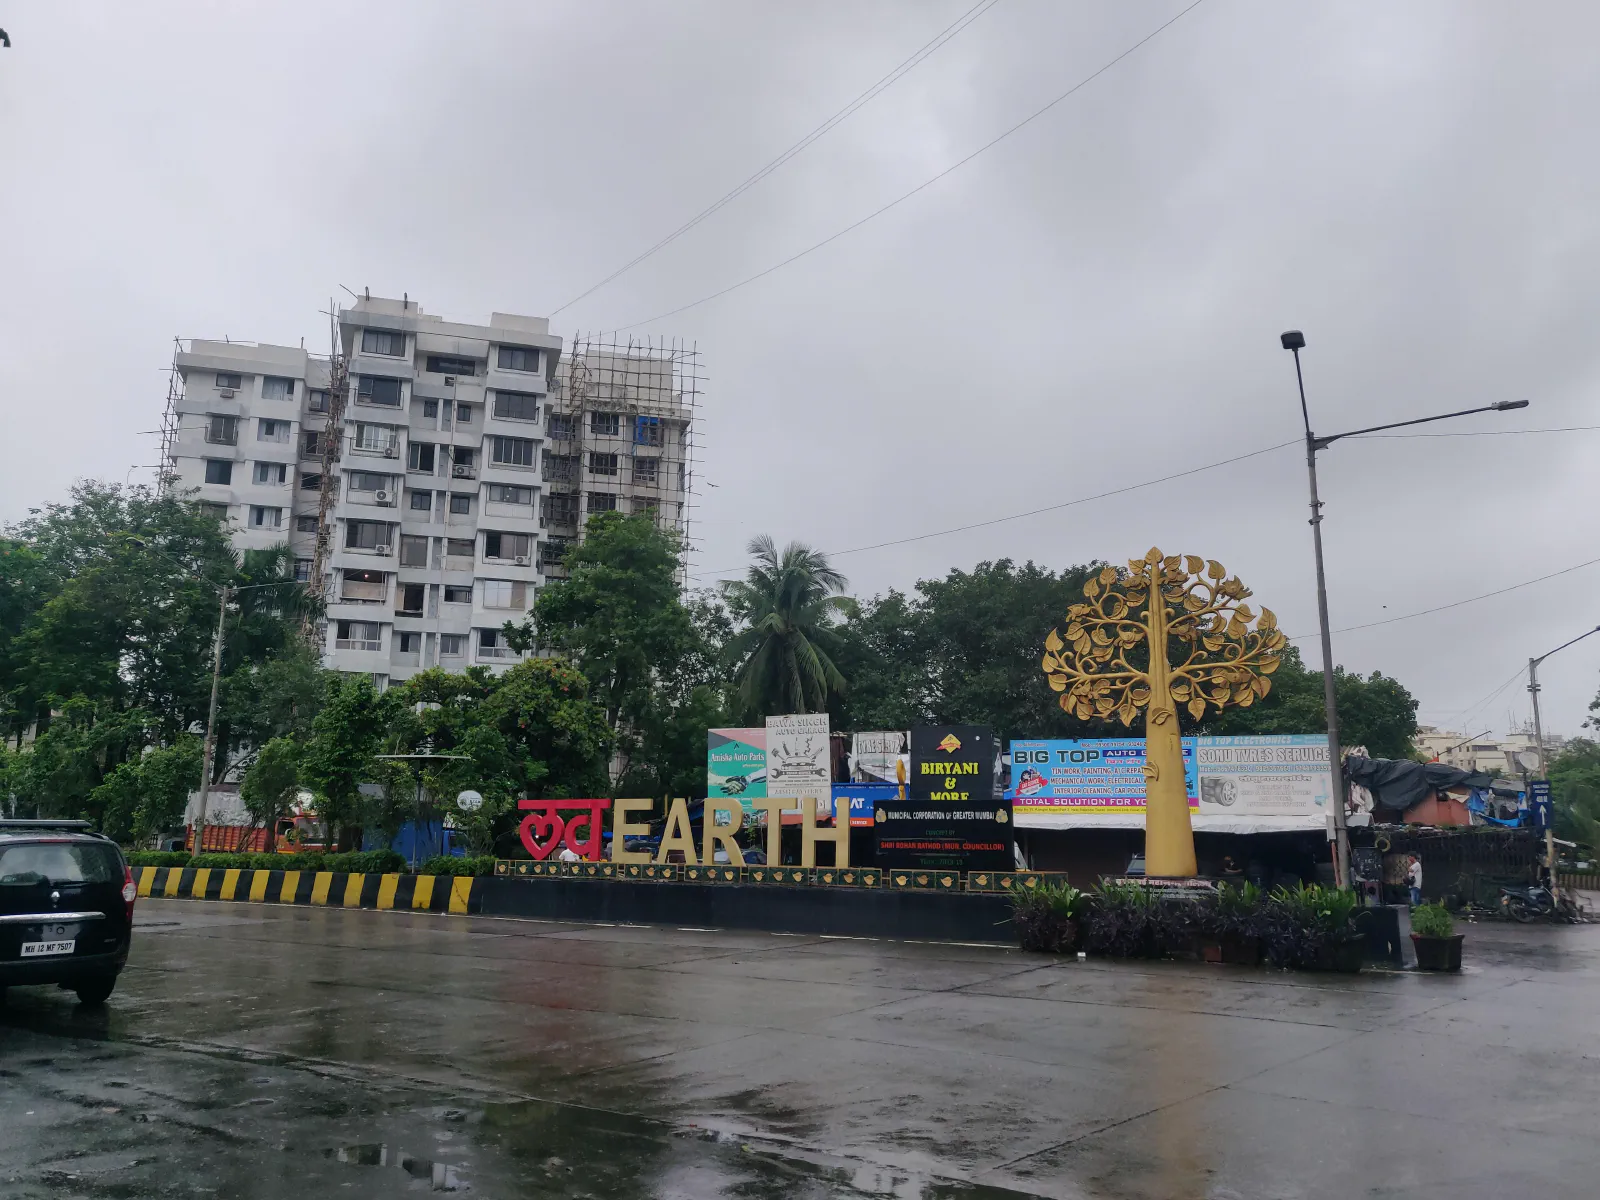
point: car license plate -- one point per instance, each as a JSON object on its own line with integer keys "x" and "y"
{"x": 44, "y": 949}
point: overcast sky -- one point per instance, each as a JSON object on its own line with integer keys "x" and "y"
{"x": 1096, "y": 301}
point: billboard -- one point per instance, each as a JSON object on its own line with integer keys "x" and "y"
{"x": 1246, "y": 784}
{"x": 736, "y": 764}
{"x": 951, "y": 819}
{"x": 798, "y": 759}
{"x": 873, "y": 756}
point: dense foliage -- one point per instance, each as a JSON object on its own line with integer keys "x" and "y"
{"x": 1575, "y": 792}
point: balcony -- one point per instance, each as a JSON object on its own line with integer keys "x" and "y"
{"x": 503, "y": 653}
{"x": 222, "y": 437}
{"x": 377, "y": 449}
{"x": 355, "y": 644}
{"x": 363, "y": 593}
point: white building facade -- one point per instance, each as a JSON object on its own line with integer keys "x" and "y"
{"x": 437, "y": 523}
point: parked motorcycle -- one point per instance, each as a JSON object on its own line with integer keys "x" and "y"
{"x": 1526, "y": 904}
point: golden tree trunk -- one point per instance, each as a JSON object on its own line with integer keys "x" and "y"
{"x": 1168, "y": 835}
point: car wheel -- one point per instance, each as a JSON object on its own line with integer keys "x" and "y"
{"x": 95, "y": 991}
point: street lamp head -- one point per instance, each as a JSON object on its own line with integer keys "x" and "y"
{"x": 1508, "y": 405}
{"x": 1293, "y": 340}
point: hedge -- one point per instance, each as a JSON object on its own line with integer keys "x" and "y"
{"x": 445, "y": 864}
{"x": 367, "y": 862}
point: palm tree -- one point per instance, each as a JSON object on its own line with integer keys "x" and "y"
{"x": 787, "y": 603}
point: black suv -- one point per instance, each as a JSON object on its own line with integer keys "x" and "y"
{"x": 66, "y": 907}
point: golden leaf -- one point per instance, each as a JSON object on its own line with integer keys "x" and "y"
{"x": 1074, "y": 631}
{"x": 1052, "y": 641}
{"x": 1108, "y": 576}
{"x": 1193, "y": 602}
{"x": 1127, "y": 712}
{"x": 1100, "y": 637}
{"x": 1211, "y": 643}
{"x": 1193, "y": 564}
{"x": 1197, "y": 707}
{"x": 1058, "y": 683}
{"x": 1085, "y": 710}
{"x": 1215, "y": 569}
{"x": 1170, "y": 562}
{"x": 1180, "y": 690}
{"x": 1139, "y": 694}
{"x": 1245, "y": 614}
{"x": 1077, "y": 610}
{"x": 1245, "y": 700}
{"x": 1082, "y": 645}
{"x": 1237, "y": 628}
{"x": 1269, "y": 619}
{"x": 1268, "y": 665}
{"x": 1092, "y": 588}
{"x": 1261, "y": 686}
{"x": 1050, "y": 663}
{"x": 1104, "y": 704}
{"x": 1152, "y": 556}
{"x": 1066, "y": 702}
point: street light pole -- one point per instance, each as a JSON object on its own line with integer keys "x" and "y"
{"x": 1295, "y": 341}
{"x": 211, "y": 719}
{"x": 1538, "y": 749}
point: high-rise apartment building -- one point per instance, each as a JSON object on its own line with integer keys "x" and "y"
{"x": 461, "y": 462}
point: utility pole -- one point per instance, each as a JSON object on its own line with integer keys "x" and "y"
{"x": 211, "y": 719}
{"x": 1538, "y": 748}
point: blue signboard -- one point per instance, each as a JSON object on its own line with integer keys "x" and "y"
{"x": 1539, "y": 803}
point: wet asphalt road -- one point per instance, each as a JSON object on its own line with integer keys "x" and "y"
{"x": 294, "y": 1053}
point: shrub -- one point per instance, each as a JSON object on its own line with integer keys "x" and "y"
{"x": 367, "y": 862}
{"x": 1299, "y": 923}
{"x": 1235, "y": 912}
{"x": 1047, "y": 917}
{"x": 1123, "y": 921}
{"x": 1432, "y": 921}
{"x": 158, "y": 858}
{"x": 448, "y": 864}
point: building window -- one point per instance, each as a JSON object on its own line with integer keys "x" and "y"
{"x": 560, "y": 467}
{"x": 507, "y": 546}
{"x": 383, "y": 341}
{"x": 503, "y": 593}
{"x": 272, "y": 431}
{"x": 229, "y": 382}
{"x": 302, "y": 570}
{"x": 460, "y": 503}
{"x": 561, "y": 425}
{"x": 647, "y": 431}
{"x": 413, "y": 551}
{"x": 217, "y": 512}
{"x": 311, "y": 483}
{"x": 421, "y": 501}
{"x": 310, "y": 443}
{"x": 560, "y": 508}
{"x": 430, "y": 410}
{"x": 407, "y": 643}
{"x": 645, "y": 469}
{"x": 463, "y": 414}
{"x": 457, "y": 595}
{"x": 358, "y": 635}
{"x": 366, "y": 535}
{"x": 505, "y": 493}
{"x": 492, "y": 645}
{"x": 306, "y": 523}
{"x": 601, "y": 502}
{"x": 375, "y": 389}
{"x": 452, "y": 645}
{"x": 380, "y": 438}
{"x": 441, "y": 364}
{"x": 271, "y": 473}
{"x": 602, "y": 464}
{"x": 419, "y": 457}
{"x": 458, "y": 548}
{"x": 365, "y": 587}
{"x": 642, "y": 505}
{"x": 605, "y": 424}
{"x": 219, "y": 471}
{"x": 318, "y": 401}
{"x": 518, "y": 358}
{"x": 275, "y": 387}
{"x": 262, "y": 517}
{"x": 411, "y": 596}
{"x": 222, "y": 431}
{"x": 553, "y": 550}
{"x": 368, "y": 481}
{"x": 461, "y": 461}
{"x": 516, "y": 406}
{"x": 512, "y": 452}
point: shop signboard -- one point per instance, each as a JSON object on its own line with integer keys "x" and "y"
{"x": 736, "y": 764}
{"x": 951, "y": 818}
{"x": 1244, "y": 784}
{"x": 873, "y": 756}
{"x": 798, "y": 758}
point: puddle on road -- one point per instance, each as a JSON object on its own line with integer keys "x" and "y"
{"x": 441, "y": 1177}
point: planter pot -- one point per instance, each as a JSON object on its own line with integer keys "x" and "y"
{"x": 1243, "y": 951}
{"x": 1438, "y": 954}
{"x": 1345, "y": 956}
{"x": 1211, "y": 952}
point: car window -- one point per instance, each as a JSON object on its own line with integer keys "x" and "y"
{"x": 58, "y": 862}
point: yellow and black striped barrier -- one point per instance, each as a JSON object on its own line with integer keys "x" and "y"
{"x": 330, "y": 889}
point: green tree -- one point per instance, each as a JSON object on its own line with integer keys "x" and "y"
{"x": 346, "y": 736}
{"x": 270, "y": 783}
{"x": 144, "y": 796}
{"x": 1575, "y": 792}
{"x": 786, "y": 609}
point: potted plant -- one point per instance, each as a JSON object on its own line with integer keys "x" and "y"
{"x": 1047, "y": 918}
{"x": 1231, "y": 925}
{"x": 1314, "y": 928}
{"x": 1122, "y": 920}
{"x": 1433, "y": 934}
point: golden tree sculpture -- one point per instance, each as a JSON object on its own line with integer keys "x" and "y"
{"x": 1205, "y": 647}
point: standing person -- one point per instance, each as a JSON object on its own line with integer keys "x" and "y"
{"x": 1414, "y": 879}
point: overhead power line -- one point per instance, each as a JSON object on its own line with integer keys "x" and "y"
{"x": 1034, "y": 512}
{"x": 861, "y": 101}
{"x": 927, "y": 183}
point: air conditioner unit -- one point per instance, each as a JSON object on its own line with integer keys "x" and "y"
{"x": 381, "y": 497}
{"x": 380, "y": 549}
{"x": 227, "y": 393}
{"x": 391, "y": 451}
{"x": 461, "y": 472}
{"x": 522, "y": 560}
{"x": 449, "y": 381}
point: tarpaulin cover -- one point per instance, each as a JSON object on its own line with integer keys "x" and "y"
{"x": 1401, "y": 783}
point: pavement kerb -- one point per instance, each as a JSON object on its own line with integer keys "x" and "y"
{"x": 323, "y": 889}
